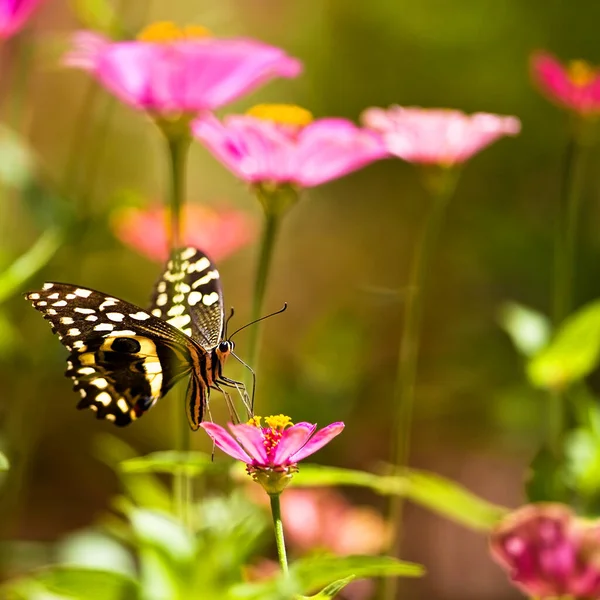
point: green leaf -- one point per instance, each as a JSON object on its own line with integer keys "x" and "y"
{"x": 528, "y": 329}
{"x": 572, "y": 354}
{"x": 28, "y": 264}
{"x": 172, "y": 462}
{"x": 546, "y": 479}
{"x": 332, "y": 589}
{"x": 453, "y": 501}
{"x": 437, "y": 493}
{"x": 87, "y": 584}
{"x": 315, "y": 572}
{"x": 4, "y": 464}
{"x": 98, "y": 15}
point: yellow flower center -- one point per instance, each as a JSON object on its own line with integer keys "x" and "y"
{"x": 581, "y": 73}
{"x": 274, "y": 427}
{"x": 165, "y": 32}
{"x": 282, "y": 114}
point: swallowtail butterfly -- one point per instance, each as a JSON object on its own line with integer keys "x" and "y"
{"x": 124, "y": 358}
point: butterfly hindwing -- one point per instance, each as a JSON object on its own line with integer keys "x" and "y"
{"x": 122, "y": 358}
{"x": 188, "y": 296}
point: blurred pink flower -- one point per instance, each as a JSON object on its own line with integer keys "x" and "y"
{"x": 575, "y": 86}
{"x": 14, "y": 14}
{"x": 549, "y": 552}
{"x": 437, "y": 136}
{"x": 323, "y": 519}
{"x": 262, "y": 148}
{"x": 219, "y": 232}
{"x": 170, "y": 71}
{"x": 271, "y": 453}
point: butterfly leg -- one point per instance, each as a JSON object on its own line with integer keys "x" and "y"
{"x": 230, "y": 404}
{"x": 241, "y": 389}
{"x": 253, "y": 380}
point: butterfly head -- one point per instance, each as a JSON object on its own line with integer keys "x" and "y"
{"x": 224, "y": 349}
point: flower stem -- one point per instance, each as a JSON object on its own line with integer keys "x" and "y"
{"x": 279, "y": 539}
{"x": 409, "y": 343}
{"x": 177, "y": 149}
{"x": 567, "y": 225}
{"x": 275, "y": 203}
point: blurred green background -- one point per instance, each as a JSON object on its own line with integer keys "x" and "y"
{"x": 341, "y": 261}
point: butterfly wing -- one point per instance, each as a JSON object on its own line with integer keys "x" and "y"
{"x": 188, "y": 296}
{"x": 122, "y": 358}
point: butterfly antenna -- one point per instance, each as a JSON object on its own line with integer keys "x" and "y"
{"x": 227, "y": 323}
{"x": 277, "y": 312}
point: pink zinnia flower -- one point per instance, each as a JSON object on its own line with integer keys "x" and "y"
{"x": 169, "y": 72}
{"x": 14, "y": 14}
{"x": 437, "y": 136}
{"x": 219, "y": 232}
{"x": 281, "y": 144}
{"x": 271, "y": 452}
{"x": 575, "y": 86}
{"x": 549, "y": 552}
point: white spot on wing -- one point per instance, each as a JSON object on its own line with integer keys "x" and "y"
{"x": 161, "y": 300}
{"x": 108, "y": 302}
{"x": 47, "y": 286}
{"x": 74, "y": 332}
{"x": 86, "y": 371}
{"x": 91, "y": 318}
{"x": 140, "y": 316}
{"x": 66, "y": 320}
{"x": 176, "y": 310}
{"x": 180, "y": 321}
{"x": 54, "y": 296}
{"x": 79, "y": 345}
{"x": 188, "y": 253}
{"x": 83, "y": 293}
{"x": 122, "y": 404}
{"x": 115, "y": 316}
{"x": 204, "y": 280}
{"x": 34, "y": 296}
{"x": 104, "y": 327}
{"x": 194, "y": 298}
{"x": 100, "y": 383}
{"x": 156, "y": 312}
{"x": 84, "y": 311}
{"x": 60, "y": 303}
{"x": 104, "y": 398}
{"x": 199, "y": 265}
{"x": 210, "y": 299}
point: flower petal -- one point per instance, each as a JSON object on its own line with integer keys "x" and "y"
{"x": 320, "y": 439}
{"x": 252, "y": 440}
{"x": 292, "y": 439}
{"x": 225, "y": 441}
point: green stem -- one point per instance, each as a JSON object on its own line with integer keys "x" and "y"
{"x": 267, "y": 244}
{"x": 567, "y": 225}
{"x": 177, "y": 149}
{"x": 276, "y": 201}
{"x": 279, "y": 539}
{"x": 404, "y": 392}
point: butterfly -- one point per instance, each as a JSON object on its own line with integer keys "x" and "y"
{"x": 124, "y": 358}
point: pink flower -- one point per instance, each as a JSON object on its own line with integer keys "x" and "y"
{"x": 169, "y": 71}
{"x": 271, "y": 453}
{"x": 278, "y": 144}
{"x": 219, "y": 232}
{"x": 549, "y": 552}
{"x": 437, "y": 136}
{"x": 14, "y": 14}
{"x": 576, "y": 86}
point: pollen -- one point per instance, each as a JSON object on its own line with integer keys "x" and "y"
{"x": 165, "y": 32}
{"x": 254, "y": 421}
{"x": 581, "y": 73}
{"x": 282, "y": 114}
{"x": 278, "y": 422}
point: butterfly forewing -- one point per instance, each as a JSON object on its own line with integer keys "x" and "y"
{"x": 122, "y": 358}
{"x": 188, "y": 296}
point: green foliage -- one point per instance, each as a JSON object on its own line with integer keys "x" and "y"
{"x": 528, "y": 329}
{"x": 437, "y": 493}
{"x": 4, "y": 464}
{"x": 172, "y": 462}
{"x": 572, "y": 354}
{"x": 98, "y": 15}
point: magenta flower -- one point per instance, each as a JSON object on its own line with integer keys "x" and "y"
{"x": 14, "y": 14}
{"x": 437, "y": 136}
{"x": 280, "y": 144}
{"x": 576, "y": 86}
{"x": 219, "y": 232}
{"x": 549, "y": 552}
{"x": 271, "y": 452}
{"x": 169, "y": 72}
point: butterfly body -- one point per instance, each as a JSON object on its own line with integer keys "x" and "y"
{"x": 123, "y": 358}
